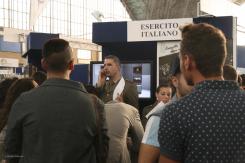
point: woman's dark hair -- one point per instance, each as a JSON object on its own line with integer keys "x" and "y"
{"x": 4, "y": 86}
{"x": 91, "y": 89}
{"x": 16, "y": 89}
{"x": 39, "y": 77}
{"x": 229, "y": 73}
{"x": 165, "y": 85}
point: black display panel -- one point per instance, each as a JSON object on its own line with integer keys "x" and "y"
{"x": 138, "y": 72}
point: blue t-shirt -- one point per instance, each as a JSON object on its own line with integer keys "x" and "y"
{"x": 151, "y": 132}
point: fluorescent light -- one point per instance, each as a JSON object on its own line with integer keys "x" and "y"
{"x": 83, "y": 54}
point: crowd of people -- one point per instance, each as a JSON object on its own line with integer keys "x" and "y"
{"x": 199, "y": 116}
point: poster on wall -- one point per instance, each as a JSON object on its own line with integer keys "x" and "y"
{"x": 166, "y": 52}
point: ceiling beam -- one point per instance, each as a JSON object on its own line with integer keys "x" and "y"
{"x": 161, "y": 9}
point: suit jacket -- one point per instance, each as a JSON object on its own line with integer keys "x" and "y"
{"x": 52, "y": 123}
{"x": 129, "y": 94}
{"x": 122, "y": 118}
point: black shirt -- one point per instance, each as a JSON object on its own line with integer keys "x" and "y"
{"x": 54, "y": 123}
{"x": 208, "y": 125}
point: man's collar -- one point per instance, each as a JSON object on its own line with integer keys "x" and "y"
{"x": 114, "y": 82}
{"x": 217, "y": 84}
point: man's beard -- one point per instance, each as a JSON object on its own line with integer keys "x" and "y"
{"x": 189, "y": 81}
{"x": 108, "y": 74}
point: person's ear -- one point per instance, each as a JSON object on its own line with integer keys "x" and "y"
{"x": 175, "y": 81}
{"x": 118, "y": 67}
{"x": 156, "y": 94}
{"x": 44, "y": 64}
{"x": 188, "y": 62}
{"x": 71, "y": 65}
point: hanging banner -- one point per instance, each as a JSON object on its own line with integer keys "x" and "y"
{"x": 5, "y": 71}
{"x": 9, "y": 62}
{"x": 14, "y": 35}
{"x": 166, "y": 52}
{"x": 156, "y": 30}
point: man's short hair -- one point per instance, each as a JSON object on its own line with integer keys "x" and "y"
{"x": 207, "y": 46}
{"x": 91, "y": 89}
{"x": 239, "y": 80}
{"x": 114, "y": 58}
{"x": 57, "y": 54}
{"x": 229, "y": 73}
{"x": 175, "y": 66}
{"x": 243, "y": 79}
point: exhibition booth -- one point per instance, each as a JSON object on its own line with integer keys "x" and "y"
{"x": 155, "y": 43}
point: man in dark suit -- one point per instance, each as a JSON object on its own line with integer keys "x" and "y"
{"x": 113, "y": 86}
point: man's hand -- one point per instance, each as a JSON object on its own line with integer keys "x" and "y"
{"x": 101, "y": 79}
{"x": 129, "y": 143}
{"x": 119, "y": 98}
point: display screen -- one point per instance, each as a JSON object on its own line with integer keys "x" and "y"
{"x": 138, "y": 72}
